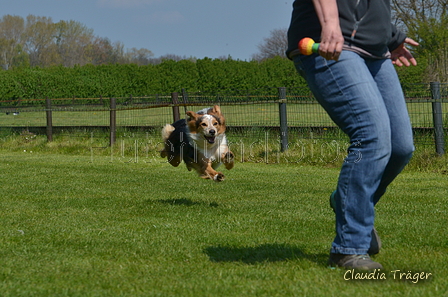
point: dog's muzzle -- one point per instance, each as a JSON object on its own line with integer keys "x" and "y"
{"x": 210, "y": 139}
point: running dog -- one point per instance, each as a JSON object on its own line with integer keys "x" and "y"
{"x": 200, "y": 141}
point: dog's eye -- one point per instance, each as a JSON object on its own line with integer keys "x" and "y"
{"x": 215, "y": 124}
{"x": 204, "y": 125}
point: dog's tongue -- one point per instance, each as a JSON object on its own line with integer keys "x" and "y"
{"x": 210, "y": 139}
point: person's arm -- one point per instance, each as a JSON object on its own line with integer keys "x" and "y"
{"x": 331, "y": 36}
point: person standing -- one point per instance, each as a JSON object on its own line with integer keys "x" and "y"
{"x": 353, "y": 78}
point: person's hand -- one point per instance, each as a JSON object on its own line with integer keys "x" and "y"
{"x": 402, "y": 56}
{"x": 331, "y": 43}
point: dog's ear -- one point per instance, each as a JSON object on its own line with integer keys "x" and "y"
{"x": 191, "y": 115}
{"x": 216, "y": 110}
{"x": 192, "y": 118}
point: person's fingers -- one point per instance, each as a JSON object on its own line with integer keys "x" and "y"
{"x": 411, "y": 41}
{"x": 330, "y": 51}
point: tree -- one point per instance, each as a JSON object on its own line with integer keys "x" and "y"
{"x": 426, "y": 22}
{"x": 102, "y": 51}
{"x": 272, "y": 46}
{"x": 139, "y": 56}
{"x": 72, "y": 40}
{"x": 38, "y": 36}
{"x": 11, "y": 30}
{"x": 37, "y": 41}
{"x": 99, "y": 51}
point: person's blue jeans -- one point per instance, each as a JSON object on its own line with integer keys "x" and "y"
{"x": 364, "y": 98}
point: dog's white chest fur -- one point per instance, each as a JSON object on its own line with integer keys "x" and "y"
{"x": 211, "y": 151}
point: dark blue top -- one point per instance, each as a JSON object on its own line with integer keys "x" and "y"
{"x": 364, "y": 23}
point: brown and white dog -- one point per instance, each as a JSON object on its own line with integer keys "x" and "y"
{"x": 199, "y": 141}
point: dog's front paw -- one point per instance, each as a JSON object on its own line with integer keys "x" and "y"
{"x": 218, "y": 177}
{"x": 228, "y": 160}
{"x": 228, "y": 157}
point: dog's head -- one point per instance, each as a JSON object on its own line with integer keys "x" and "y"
{"x": 208, "y": 123}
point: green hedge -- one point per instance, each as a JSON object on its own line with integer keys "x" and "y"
{"x": 119, "y": 80}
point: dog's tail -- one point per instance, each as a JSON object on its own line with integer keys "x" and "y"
{"x": 166, "y": 131}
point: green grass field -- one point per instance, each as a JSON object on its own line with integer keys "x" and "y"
{"x": 89, "y": 225}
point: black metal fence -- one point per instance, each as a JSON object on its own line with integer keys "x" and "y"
{"x": 279, "y": 109}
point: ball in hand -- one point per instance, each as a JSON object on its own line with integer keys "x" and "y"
{"x": 306, "y": 46}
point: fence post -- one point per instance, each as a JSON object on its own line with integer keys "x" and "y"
{"x": 283, "y": 119}
{"x": 113, "y": 120}
{"x": 49, "y": 119}
{"x": 175, "y": 100}
{"x": 185, "y": 99}
{"x": 437, "y": 118}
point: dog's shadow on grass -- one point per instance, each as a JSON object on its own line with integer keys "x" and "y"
{"x": 185, "y": 202}
{"x": 261, "y": 254}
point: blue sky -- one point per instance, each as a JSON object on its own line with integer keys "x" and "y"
{"x": 198, "y": 28}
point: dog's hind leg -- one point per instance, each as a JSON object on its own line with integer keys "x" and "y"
{"x": 170, "y": 152}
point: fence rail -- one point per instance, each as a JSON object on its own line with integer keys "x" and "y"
{"x": 279, "y": 109}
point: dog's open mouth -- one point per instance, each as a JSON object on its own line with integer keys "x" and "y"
{"x": 210, "y": 139}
